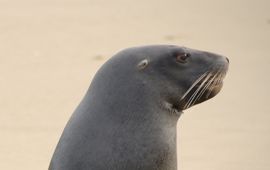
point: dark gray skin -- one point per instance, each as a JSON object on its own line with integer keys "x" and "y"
{"x": 127, "y": 119}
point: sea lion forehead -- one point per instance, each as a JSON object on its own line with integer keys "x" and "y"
{"x": 134, "y": 55}
{"x": 166, "y": 49}
{"x": 143, "y": 56}
{"x": 153, "y": 50}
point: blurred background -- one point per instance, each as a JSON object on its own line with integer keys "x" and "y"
{"x": 51, "y": 49}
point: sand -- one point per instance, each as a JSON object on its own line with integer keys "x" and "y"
{"x": 51, "y": 49}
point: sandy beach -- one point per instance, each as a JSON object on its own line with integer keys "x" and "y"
{"x": 51, "y": 49}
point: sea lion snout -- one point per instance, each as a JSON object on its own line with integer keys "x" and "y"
{"x": 217, "y": 57}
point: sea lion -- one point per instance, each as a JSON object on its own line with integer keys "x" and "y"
{"x": 127, "y": 119}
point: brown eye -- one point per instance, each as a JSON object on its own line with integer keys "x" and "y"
{"x": 182, "y": 58}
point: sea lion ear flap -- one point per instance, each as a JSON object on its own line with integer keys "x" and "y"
{"x": 143, "y": 64}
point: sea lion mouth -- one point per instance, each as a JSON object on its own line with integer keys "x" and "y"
{"x": 205, "y": 87}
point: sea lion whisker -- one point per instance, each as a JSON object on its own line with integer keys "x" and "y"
{"x": 204, "y": 87}
{"x": 191, "y": 99}
{"x": 194, "y": 84}
{"x": 207, "y": 85}
{"x": 217, "y": 80}
{"x": 212, "y": 86}
{"x": 200, "y": 89}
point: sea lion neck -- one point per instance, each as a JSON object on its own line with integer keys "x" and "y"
{"x": 133, "y": 102}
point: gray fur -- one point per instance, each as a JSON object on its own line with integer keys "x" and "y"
{"x": 127, "y": 119}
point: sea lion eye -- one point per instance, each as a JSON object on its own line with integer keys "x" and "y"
{"x": 182, "y": 58}
{"x": 142, "y": 64}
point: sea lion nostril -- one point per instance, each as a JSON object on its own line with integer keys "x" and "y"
{"x": 227, "y": 60}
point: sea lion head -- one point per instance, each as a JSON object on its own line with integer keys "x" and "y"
{"x": 178, "y": 77}
{"x": 182, "y": 76}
